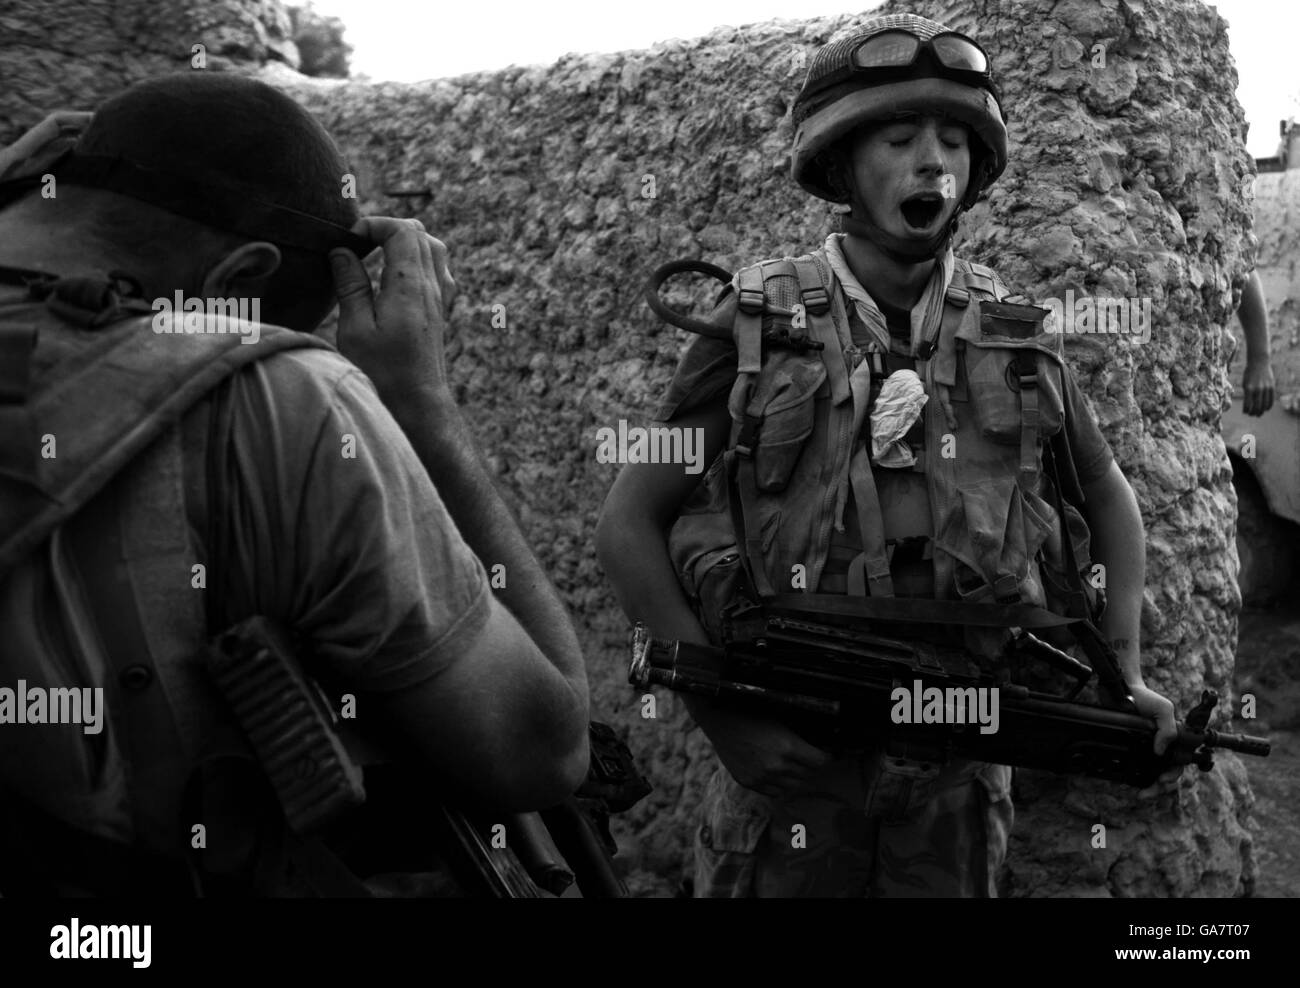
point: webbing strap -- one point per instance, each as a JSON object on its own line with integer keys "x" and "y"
{"x": 138, "y": 383}
{"x": 834, "y": 333}
{"x": 749, "y": 320}
{"x": 744, "y": 506}
{"x": 1076, "y": 599}
{"x": 1026, "y": 369}
{"x": 872, "y": 573}
{"x": 156, "y": 738}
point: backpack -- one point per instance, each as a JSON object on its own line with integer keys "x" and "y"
{"x": 92, "y": 401}
{"x": 210, "y": 735}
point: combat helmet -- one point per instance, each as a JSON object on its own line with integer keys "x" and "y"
{"x": 898, "y": 64}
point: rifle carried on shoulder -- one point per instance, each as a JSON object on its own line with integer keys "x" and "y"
{"x": 847, "y": 687}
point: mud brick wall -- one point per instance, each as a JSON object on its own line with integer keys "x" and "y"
{"x": 72, "y": 54}
{"x": 1125, "y": 180}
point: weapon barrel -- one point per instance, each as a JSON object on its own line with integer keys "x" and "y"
{"x": 1246, "y": 744}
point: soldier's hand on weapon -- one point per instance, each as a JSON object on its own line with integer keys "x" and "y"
{"x": 762, "y": 754}
{"x": 1151, "y": 704}
{"x": 1258, "y": 384}
{"x": 396, "y": 337}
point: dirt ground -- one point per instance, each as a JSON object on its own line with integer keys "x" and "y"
{"x": 1268, "y": 665}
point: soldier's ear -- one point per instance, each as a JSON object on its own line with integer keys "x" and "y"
{"x": 248, "y": 262}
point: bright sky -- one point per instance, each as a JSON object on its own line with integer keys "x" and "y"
{"x": 406, "y": 42}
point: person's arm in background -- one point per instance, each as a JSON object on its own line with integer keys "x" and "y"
{"x": 632, "y": 545}
{"x": 530, "y": 673}
{"x": 1257, "y": 379}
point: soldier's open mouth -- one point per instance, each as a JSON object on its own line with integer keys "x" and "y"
{"x": 921, "y": 210}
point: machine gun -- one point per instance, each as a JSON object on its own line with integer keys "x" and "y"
{"x": 850, "y": 687}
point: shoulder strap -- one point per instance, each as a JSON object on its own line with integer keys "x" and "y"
{"x": 119, "y": 392}
{"x": 760, "y": 298}
{"x": 133, "y": 542}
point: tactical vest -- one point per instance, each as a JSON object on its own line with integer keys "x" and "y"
{"x": 94, "y": 532}
{"x": 760, "y": 522}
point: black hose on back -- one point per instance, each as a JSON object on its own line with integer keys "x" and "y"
{"x": 675, "y": 318}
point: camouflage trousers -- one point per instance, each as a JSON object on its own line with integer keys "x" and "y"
{"x": 864, "y": 826}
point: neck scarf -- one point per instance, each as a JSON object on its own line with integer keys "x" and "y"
{"x": 925, "y": 314}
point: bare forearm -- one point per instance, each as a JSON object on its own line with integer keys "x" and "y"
{"x": 635, "y": 558}
{"x": 1254, "y": 320}
{"x": 1119, "y": 544}
{"x": 438, "y": 433}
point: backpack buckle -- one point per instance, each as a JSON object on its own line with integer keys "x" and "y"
{"x": 815, "y": 300}
{"x": 748, "y": 438}
{"x": 750, "y": 300}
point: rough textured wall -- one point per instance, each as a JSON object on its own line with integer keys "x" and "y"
{"x": 71, "y": 54}
{"x": 1125, "y": 180}
{"x": 1277, "y": 226}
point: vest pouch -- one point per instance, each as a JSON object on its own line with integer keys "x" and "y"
{"x": 1057, "y": 581}
{"x": 716, "y": 576}
{"x": 785, "y": 393}
{"x": 993, "y": 390}
{"x": 993, "y": 533}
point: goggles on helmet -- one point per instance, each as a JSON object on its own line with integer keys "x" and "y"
{"x": 899, "y": 48}
{"x": 893, "y": 54}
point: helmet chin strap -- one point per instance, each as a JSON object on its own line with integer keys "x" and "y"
{"x": 900, "y": 249}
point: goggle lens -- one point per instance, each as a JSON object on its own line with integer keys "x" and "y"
{"x": 958, "y": 53}
{"x": 892, "y": 48}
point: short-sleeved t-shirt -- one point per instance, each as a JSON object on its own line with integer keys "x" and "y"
{"x": 336, "y": 528}
{"x": 707, "y": 372}
{"x": 333, "y": 528}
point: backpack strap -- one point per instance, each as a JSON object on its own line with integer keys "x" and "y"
{"x": 183, "y": 752}
{"x": 738, "y": 460}
{"x": 133, "y": 542}
{"x": 1026, "y": 370}
{"x": 749, "y": 319}
{"x": 112, "y": 400}
{"x": 123, "y": 388}
{"x": 869, "y": 571}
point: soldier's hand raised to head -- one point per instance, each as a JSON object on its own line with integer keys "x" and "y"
{"x": 396, "y": 336}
